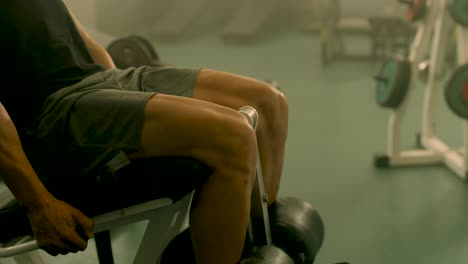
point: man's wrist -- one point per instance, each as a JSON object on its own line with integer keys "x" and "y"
{"x": 36, "y": 201}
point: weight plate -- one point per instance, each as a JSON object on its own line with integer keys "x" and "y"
{"x": 131, "y": 52}
{"x": 179, "y": 250}
{"x": 416, "y": 10}
{"x": 150, "y": 51}
{"x": 459, "y": 11}
{"x": 393, "y": 83}
{"x": 456, "y": 92}
{"x": 268, "y": 255}
{"x": 297, "y": 228}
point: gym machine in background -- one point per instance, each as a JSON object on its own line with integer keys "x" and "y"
{"x": 442, "y": 24}
{"x": 388, "y": 35}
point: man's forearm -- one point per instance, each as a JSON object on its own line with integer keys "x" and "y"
{"x": 15, "y": 169}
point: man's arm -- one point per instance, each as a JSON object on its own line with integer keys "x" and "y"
{"x": 15, "y": 168}
{"x": 58, "y": 227}
{"x": 98, "y": 52}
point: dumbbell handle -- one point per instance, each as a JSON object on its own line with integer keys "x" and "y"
{"x": 259, "y": 197}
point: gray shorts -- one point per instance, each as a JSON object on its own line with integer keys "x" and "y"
{"x": 83, "y": 126}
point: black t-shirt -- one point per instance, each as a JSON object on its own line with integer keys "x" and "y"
{"x": 42, "y": 52}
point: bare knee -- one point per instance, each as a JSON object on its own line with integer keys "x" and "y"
{"x": 237, "y": 153}
{"x": 235, "y": 91}
{"x": 277, "y": 101}
{"x": 266, "y": 98}
{"x": 273, "y": 107}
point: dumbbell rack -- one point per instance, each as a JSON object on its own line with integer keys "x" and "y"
{"x": 433, "y": 33}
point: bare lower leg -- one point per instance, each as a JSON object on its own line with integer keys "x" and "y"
{"x": 219, "y": 234}
{"x": 271, "y": 144}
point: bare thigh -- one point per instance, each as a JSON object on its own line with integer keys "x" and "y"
{"x": 235, "y": 91}
{"x": 181, "y": 126}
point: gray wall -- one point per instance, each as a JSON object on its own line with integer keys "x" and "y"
{"x": 85, "y": 11}
{"x": 120, "y": 17}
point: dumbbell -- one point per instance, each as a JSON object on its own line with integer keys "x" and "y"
{"x": 289, "y": 231}
{"x": 133, "y": 51}
{"x": 180, "y": 251}
{"x": 295, "y": 229}
{"x": 269, "y": 255}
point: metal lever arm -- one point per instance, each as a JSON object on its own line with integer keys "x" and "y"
{"x": 260, "y": 221}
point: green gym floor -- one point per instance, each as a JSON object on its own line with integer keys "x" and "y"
{"x": 406, "y": 215}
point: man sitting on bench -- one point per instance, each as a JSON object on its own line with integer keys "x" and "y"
{"x": 63, "y": 100}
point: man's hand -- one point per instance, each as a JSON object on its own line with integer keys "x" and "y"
{"x": 60, "y": 228}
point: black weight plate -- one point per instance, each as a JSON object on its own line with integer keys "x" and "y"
{"x": 456, "y": 92}
{"x": 129, "y": 52}
{"x": 297, "y": 228}
{"x": 268, "y": 255}
{"x": 148, "y": 46}
{"x": 393, "y": 83}
{"x": 179, "y": 250}
{"x": 459, "y": 11}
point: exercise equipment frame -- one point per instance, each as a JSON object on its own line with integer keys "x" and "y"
{"x": 435, "y": 30}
